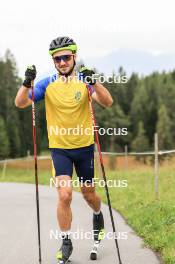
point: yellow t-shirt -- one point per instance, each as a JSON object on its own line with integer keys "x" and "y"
{"x": 68, "y": 114}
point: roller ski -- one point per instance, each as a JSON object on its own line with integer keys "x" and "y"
{"x": 65, "y": 252}
{"x": 98, "y": 228}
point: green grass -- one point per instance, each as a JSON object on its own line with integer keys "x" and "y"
{"x": 153, "y": 220}
{"x": 25, "y": 176}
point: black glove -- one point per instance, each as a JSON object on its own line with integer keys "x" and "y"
{"x": 30, "y": 75}
{"x": 87, "y": 75}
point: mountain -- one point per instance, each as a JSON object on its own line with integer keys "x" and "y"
{"x": 141, "y": 62}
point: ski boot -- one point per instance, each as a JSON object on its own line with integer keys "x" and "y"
{"x": 65, "y": 251}
{"x": 98, "y": 229}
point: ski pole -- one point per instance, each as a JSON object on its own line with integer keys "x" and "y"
{"x": 104, "y": 174}
{"x": 36, "y": 171}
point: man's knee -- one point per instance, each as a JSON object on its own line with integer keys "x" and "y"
{"x": 65, "y": 196}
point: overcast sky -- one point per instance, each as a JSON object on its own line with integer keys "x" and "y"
{"x": 98, "y": 27}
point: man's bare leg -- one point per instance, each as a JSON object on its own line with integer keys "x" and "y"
{"x": 64, "y": 213}
{"x": 94, "y": 201}
{"x": 64, "y": 216}
{"x": 91, "y": 197}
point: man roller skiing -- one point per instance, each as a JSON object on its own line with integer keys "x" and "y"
{"x": 67, "y": 106}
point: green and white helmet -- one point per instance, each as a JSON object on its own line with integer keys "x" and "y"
{"x": 62, "y": 43}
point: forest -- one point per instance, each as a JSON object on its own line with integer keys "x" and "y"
{"x": 143, "y": 105}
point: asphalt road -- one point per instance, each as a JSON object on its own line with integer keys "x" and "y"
{"x": 18, "y": 230}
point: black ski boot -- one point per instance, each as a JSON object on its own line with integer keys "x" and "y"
{"x": 65, "y": 251}
{"x": 98, "y": 228}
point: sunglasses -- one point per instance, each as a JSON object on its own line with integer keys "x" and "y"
{"x": 65, "y": 58}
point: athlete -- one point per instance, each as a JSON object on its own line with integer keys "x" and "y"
{"x": 67, "y": 107}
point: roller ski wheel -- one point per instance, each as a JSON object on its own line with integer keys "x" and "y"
{"x": 94, "y": 251}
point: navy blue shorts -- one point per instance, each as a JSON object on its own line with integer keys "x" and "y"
{"x": 81, "y": 158}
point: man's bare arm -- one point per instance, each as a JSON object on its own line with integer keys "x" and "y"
{"x": 22, "y": 99}
{"x": 102, "y": 95}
